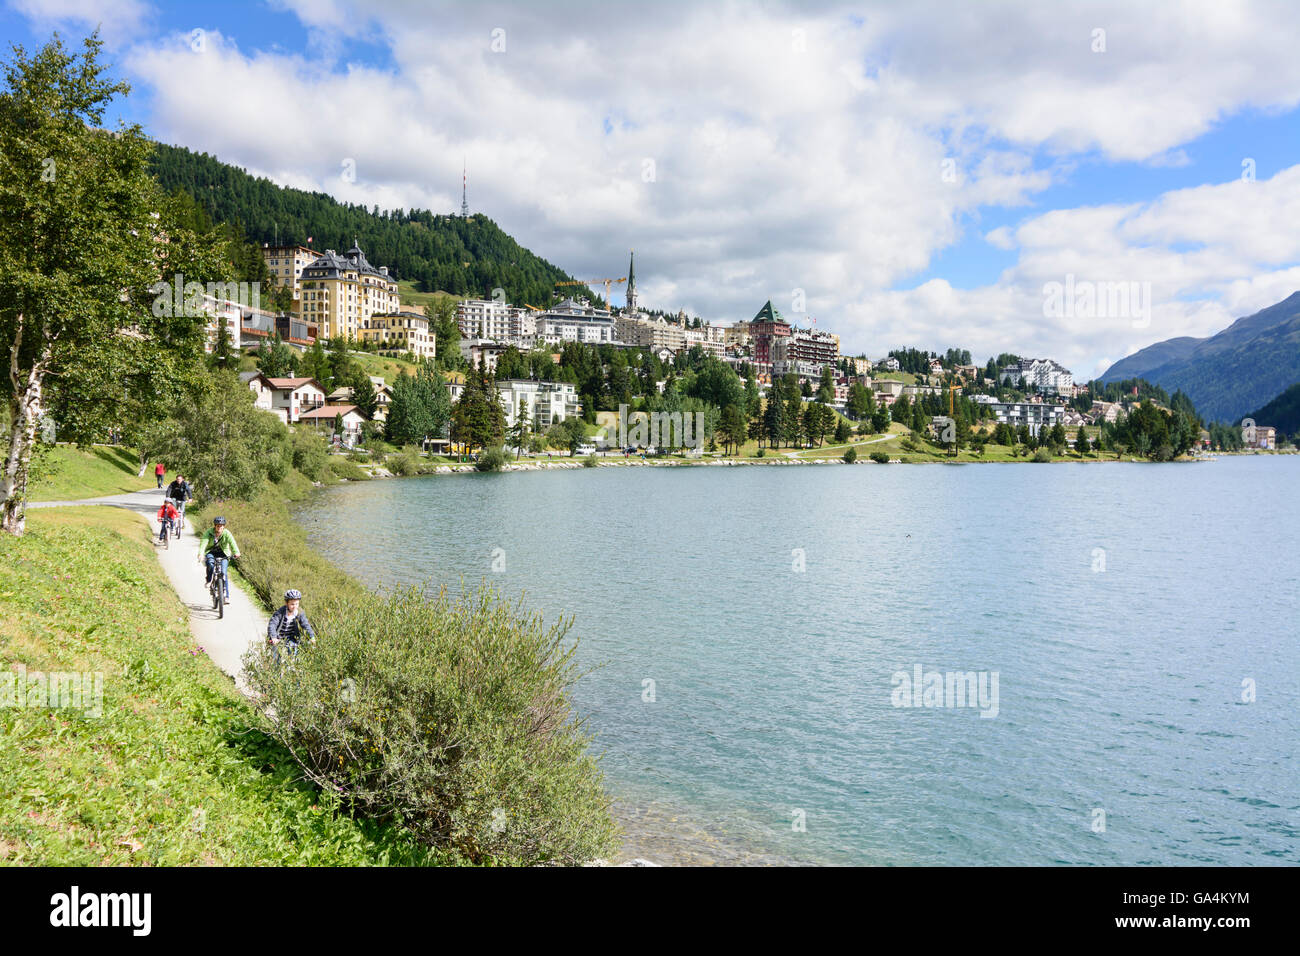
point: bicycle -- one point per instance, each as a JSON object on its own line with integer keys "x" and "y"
{"x": 217, "y": 587}
{"x": 166, "y": 533}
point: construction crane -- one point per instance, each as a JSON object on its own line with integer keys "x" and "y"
{"x": 533, "y": 307}
{"x": 608, "y": 283}
{"x": 951, "y": 414}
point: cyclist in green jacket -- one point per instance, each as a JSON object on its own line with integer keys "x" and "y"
{"x": 216, "y": 548}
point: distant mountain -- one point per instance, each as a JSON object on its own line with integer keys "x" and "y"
{"x": 438, "y": 252}
{"x": 1226, "y": 374}
{"x": 1283, "y": 413}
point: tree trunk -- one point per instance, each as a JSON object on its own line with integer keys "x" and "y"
{"x": 26, "y": 406}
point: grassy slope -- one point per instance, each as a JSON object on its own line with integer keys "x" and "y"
{"x": 173, "y": 772}
{"x": 407, "y": 292}
{"x": 67, "y": 473}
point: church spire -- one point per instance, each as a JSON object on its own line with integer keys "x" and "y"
{"x": 631, "y": 282}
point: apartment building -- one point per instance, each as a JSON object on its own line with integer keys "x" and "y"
{"x": 576, "y": 320}
{"x": 400, "y": 332}
{"x": 1037, "y": 415}
{"x": 811, "y": 346}
{"x": 341, "y": 293}
{"x": 496, "y": 320}
{"x": 546, "y": 402}
{"x": 652, "y": 332}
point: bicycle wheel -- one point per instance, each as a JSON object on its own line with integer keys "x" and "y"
{"x": 167, "y": 536}
{"x": 221, "y": 598}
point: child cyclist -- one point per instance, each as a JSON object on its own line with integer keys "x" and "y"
{"x": 168, "y": 516}
{"x": 289, "y": 625}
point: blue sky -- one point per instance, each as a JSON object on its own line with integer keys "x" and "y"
{"x": 753, "y": 151}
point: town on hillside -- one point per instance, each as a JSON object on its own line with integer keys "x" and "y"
{"x": 538, "y": 359}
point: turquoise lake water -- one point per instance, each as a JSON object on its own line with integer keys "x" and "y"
{"x": 1128, "y": 611}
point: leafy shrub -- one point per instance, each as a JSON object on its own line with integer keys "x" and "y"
{"x": 1043, "y": 455}
{"x": 590, "y": 462}
{"x": 492, "y": 459}
{"x": 404, "y": 463}
{"x": 762, "y": 452}
{"x": 359, "y": 455}
{"x": 851, "y": 455}
{"x": 343, "y": 468}
{"x": 453, "y": 716}
{"x": 880, "y": 457}
{"x": 378, "y": 448}
{"x": 310, "y": 454}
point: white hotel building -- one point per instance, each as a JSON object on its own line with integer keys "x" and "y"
{"x": 1042, "y": 374}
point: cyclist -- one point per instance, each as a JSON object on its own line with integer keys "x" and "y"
{"x": 216, "y": 548}
{"x": 168, "y": 515}
{"x": 179, "y": 491}
{"x": 288, "y": 624}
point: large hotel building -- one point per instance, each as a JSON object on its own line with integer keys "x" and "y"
{"x": 336, "y": 293}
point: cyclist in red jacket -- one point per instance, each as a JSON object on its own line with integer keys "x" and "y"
{"x": 168, "y": 515}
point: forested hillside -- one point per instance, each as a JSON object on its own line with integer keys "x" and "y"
{"x": 1231, "y": 372}
{"x": 1283, "y": 412}
{"x": 438, "y": 252}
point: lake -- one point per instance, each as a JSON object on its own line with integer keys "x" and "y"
{"x": 982, "y": 665}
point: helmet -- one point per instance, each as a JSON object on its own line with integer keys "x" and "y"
{"x": 293, "y": 594}
{"x": 218, "y": 520}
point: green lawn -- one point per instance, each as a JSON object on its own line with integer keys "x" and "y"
{"x": 66, "y": 473}
{"x": 172, "y": 772}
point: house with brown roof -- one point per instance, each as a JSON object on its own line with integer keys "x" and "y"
{"x": 290, "y": 397}
{"x": 324, "y": 416}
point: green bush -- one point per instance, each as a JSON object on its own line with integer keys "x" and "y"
{"x": 590, "y": 462}
{"x": 851, "y": 455}
{"x": 880, "y": 457}
{"x": 1043, "y": 455}
{"x": 343, "y": 468}
{"x": 359, "y": 455}
{"x": 404, "y": 463}
{"x": 492, "y": 459}
{"x": 310, "y": 453}
{"x": 761, "y": 453}
{"x": 378, "y": 447}
{"x": 452, "y": 716}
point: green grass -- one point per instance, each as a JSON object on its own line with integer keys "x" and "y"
{"x": 67, "y": 473}
{"x": 409, "y": 296}
{"x": 173, "y": 772}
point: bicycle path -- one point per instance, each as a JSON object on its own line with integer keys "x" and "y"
{"x": 224, "y": 640}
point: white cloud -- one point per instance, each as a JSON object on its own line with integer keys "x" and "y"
{"x": 118, "y": 20}
{"x": 839, "y": 160}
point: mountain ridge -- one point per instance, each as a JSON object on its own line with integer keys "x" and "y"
{"x": 1231, "y": 372}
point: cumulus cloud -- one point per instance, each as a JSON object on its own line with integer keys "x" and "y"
{"x": 750, "y": 150}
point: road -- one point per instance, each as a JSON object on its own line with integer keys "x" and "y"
{"x": 225, "y": 640}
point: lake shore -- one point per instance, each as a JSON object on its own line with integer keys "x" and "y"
{"x": 563, "y": 464}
